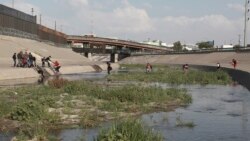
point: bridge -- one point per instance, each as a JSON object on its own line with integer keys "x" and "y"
{"x": 117, "y": 44}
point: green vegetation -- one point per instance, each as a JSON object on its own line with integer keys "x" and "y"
{"x": 181, "y": 123}
{"x": 129, "y": 130}
{"x": 165, "y": 74}
{"x": 40, "y": 108}
{"x": 177, "y": 46}
{"x": 205, "y": 45}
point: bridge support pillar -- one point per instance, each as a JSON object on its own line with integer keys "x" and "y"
{"x": 113, "y": 57}
{"x": 88, "y": 55}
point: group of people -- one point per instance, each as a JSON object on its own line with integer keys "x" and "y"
{"x": 186, "y": 66}
{"x": 233, "y": 63}
{"x": 47, "y": 60}
{"x": 23, "y": 59}
{"x": 28, "y": 60}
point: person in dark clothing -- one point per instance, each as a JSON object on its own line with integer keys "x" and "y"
{"x": 30, "y": 60}
{"x": 14, "y": 59}
{"x": 43, "y": 62}
{"x": 34, "y": 60}
{"x": 109, "y": 68}
{"x": 19, "y": 59}
{"x": 48, "y": 60}
{"x": 40, "y": 80}
{"x": 234, "y": 63}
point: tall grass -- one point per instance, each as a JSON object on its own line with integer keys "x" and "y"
{"x": 166, "y": 74}
{"x": 29, "y": 105}
{"x": 128, "y": 93}
{"x": 129, "y": 130}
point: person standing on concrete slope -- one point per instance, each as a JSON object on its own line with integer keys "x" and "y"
{"x": 56, "y": 66}
{"x": 47, "y": 60}
{"x": 14, "y": 59}
{"x": 19, "y": 59}
{"x": 43, "y": 62}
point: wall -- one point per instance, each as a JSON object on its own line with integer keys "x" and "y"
{"x": 239, "y": 76}
{"x": 14, "y": 23}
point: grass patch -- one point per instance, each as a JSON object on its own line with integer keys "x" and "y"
{"x": 129, "y": 130}
{"x": 44, "y": 106}
{"x": 165, "y": 74}
{"x": 181, "y": 123}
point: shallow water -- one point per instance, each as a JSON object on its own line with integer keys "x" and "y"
{"x": 218, "y": 112}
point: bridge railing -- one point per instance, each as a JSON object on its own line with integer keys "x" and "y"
{"x": 116, "y": 42}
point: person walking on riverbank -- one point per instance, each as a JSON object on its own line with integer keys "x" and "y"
{"x": 14, "y": 59}
{"x": 109, "y": 68}
{"x": 48, "y": 60}
{"x": 234, "y": 63}
{"x": 218, "y": 66}
{"x": 185, "y": 68}
{"x": 149, "y": 67}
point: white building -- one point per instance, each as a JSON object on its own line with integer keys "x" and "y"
{"x": 227, "y": 46}
{"x": 158, "y": 43}
{"x": 190, "y": 47}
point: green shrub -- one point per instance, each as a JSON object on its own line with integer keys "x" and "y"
{"x": 128, "y": 131}
{"x": 30, "y": 110}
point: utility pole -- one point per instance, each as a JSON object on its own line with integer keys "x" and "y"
{"x": 61, "y": 26}
{"x": 40, "y": 19}
{"x": 239, "y": 39}
{"x": 245, "y": 24}
{"x": 13, "y": 3}
{"x": 55, "y": 25}
{"x": 32, "y": 11}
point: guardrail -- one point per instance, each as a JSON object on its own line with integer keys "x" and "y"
{"x": 118, "y": 42}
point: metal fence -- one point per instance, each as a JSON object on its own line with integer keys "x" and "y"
{"x": 17, "y": 14}
{"x": 19, "y": 24}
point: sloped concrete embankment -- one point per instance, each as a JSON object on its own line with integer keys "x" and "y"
{"x": 239, "y": 76}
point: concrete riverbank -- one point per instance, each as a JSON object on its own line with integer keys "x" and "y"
{"x": 71, "y": 62}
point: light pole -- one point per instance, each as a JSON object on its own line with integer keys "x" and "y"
{"x": 245, "y": 24}
{"x": 13, "y": 3}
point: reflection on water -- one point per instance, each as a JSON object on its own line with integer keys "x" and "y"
{"x": 220, "y": 113}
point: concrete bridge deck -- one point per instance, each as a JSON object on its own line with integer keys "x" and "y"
{"x": 114, "y": 42}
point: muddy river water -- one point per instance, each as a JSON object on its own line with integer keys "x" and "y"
{"x": 219, "y": 113}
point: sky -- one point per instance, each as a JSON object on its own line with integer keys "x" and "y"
{"x": 188, "y": 21}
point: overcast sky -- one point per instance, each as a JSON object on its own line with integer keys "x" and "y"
{"x": 188, "y": 21}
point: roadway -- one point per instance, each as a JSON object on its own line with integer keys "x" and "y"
{"x": 114, "y": 42}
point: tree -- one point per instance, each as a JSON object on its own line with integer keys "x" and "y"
{"x": 205, "y": 45}
{"x": 177, "y": 46}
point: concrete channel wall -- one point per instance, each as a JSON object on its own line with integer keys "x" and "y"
{"x": 242, "y": 77}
